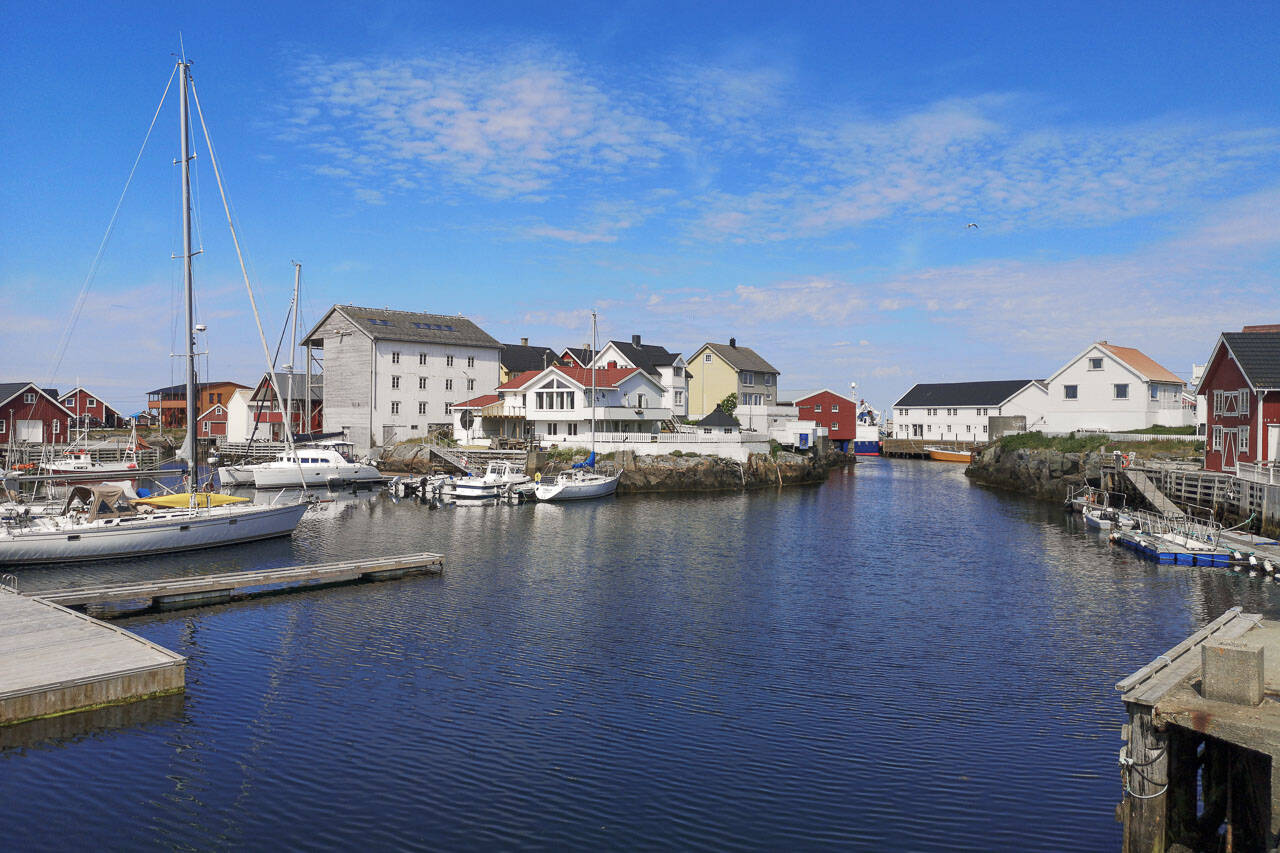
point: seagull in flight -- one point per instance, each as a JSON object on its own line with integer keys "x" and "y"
{"x": 972, "y": 225}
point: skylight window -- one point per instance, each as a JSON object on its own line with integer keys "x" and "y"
{"x": 435, "y": 327}
{"x": 374, "y": 321}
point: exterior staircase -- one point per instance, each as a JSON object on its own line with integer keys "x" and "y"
{"x": 1149, "y": 491}
{"x": 453, "y": 457}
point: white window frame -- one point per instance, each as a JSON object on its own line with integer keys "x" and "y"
{"x": 835, "y": 408}
{"x": 1072, "y": 396}
{"x": 1242, "y": 441}
{"x": 1217, "y": 436}
{"x": 448, "y": 361}
{"x": 57, "y": 426}
{"x": 29, "y": 397}
{"x": 1115, "y": 390}
{"x": 422, "y": 407}
{"x": 1094, "y": 358}
{"x": 835, "y": 427}
{"x": 706, "y": 359}
{"x": 422, "y": 358}
{"x": 1242, "y": 407}
{"x": 1217, "y": 401}
{"x": 422, "y": 383}
{"x": 768, "y": 379}
{"x": 471, "y": 361}
{"x": 448, "y": 385}
{"x": 395, "y": 383}
{"x": 748, "y": 378}
{"x": 395, "y": 358}
{"x": 90, "y": 403}
{"x": 817, "y": 408}
{"x": 395, "y": 407}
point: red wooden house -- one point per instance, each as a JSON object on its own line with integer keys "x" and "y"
{"x": 1241, "y": 385}
{"x": 92, "y": 410}
{"x": 831, "y": 410}
{"x": 267, "y": 410}
{"x": 33, "y": 414}
{"x": 213, "y": 422}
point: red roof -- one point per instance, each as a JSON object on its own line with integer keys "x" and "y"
{"x": 519, "y": 380}
{"x": 605, "y": 377}
{"x": 477, "y": 402}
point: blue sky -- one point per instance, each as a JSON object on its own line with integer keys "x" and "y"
{"x": 798, "y": 176}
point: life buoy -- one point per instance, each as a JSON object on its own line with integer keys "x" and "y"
{"x": 1126, "y": 459}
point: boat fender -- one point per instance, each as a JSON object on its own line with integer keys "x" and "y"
{"x": 1236, "y": 555}
{"x": 537, "y": 477}
{"x": 1266, "y": 564}
{"x": 1253, "y": 560}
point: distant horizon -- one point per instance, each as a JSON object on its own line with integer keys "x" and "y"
{"x": 877, "y": 194}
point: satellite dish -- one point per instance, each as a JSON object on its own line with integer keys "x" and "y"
{"x": 467, "y": 419}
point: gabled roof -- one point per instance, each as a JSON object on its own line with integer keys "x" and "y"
{"x": 1150, "y": 370}
{"x": 800, "y": 401}
{"x": 582, "y": 355}
{"x": 9, "y": 390}
{"x": 605, "y": 377}
{"x": 216, "y": 408}
{"x": 415, "y": 327}
{"x": 477, "y": 402}
{"x": 957, "y": 394}
{"x": 298, "y": 391}
{"x": 647, "y": 357}
{"x": 718, "y": 418}
{"x": 200, "y": 386}
{"x": 740, "y": 358}
{"x": 520, "y": 357}
{"x": 1258, "y": 354}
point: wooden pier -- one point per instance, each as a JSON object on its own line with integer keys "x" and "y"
{"x": 1201, "y": 766}
{"x": 54, "y": 661}
{"x": 914, "y": 448}
{"x": 200, "y": 590}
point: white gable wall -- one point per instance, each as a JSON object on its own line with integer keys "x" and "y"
{"x": 1093, "y": 377}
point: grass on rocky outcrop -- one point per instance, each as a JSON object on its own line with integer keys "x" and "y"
{"x": 1088, "y": 443}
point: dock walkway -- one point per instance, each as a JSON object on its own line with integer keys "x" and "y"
{"x": 54, "y": 660}
{"x": 1149, "y": 491}
{"x": 199, "y": 590}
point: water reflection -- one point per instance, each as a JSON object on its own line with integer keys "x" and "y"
{"x": 776, "y": 669}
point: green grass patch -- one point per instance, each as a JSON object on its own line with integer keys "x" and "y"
{"x": 1087, "y": 443}
{"x": 1162, "y": 430}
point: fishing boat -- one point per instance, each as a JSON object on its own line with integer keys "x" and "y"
{"x": 77, "y": 463}
{"x": 582, "y": 481}
{"x": 947, "y": 454}
{"x": 104, "y": 522}
{"x": 499, "y": 479}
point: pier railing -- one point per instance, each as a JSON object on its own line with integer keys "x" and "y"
{"x": 1265, "y": 473}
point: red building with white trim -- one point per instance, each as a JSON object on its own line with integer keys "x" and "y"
{"x": 836, "y": 412}
{"x": 32, "y": 414}
{"x": 92, "y": 410}
{"x": 212, "y": 423}
{"x": 1241, "y": 386}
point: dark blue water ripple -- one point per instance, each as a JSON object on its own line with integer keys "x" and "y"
{"x": 894, "y": 660}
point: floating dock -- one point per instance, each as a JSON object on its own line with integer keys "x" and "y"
{"x": 54, "y": 660}
{"x": 1163, "y": 551}
{"x": 201, "y": 590}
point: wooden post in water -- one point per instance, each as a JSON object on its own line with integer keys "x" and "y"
{"x": 1146, "y": 775}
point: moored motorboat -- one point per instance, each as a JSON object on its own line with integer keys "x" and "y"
{"x": 946, "y": 454}
{"x": 312, "y": 466}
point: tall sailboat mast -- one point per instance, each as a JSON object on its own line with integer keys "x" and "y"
{"x": 593, "y": 386}
{"x": 293, "y": 352}
{"x": 189, "y": 443}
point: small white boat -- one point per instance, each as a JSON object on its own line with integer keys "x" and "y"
{"x": 499, "y": 479}
{"x": 1101, "y": 518}
{"x": 577, "y": 484}
{"x": 311, "y": 466}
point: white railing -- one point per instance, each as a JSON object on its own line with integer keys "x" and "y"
{"x": 1259, "y": 472}
{"x": 653, "y": 438}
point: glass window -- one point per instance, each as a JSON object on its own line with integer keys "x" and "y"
{"x": 748, "y": 378}
{"x": 817, "y": 407}
{"x": 422, "y": 408}
{"x": 90, "y": 402}
{"x": 422, "y": 358}
{"x": 835, "y": 407}
{"x": 448, "y": 361}
{"x": 471, "y": 361}
{"x": 1155, "y": 392}
{"x": 395, "y": 358}
{"x": 707, "y": 358}
{"x": 422, "y": 383}
{"x": 768, "y": 379}
{"x": 1095, "y": 364}
{"x": 471, "y": 385}
{"x": 1122, "y": 390}
{"x": 395, "y": 407}
{"x": 448, "y": 385}
{"x": 1070, "y": 392}
{"x": 395, "y": 382}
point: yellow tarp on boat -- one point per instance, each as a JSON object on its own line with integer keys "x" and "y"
{"x": 183, "y": 499}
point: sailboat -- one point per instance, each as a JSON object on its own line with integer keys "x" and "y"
{"x": 102, "y": 522}
{"x": 77, "y": 463}
{"x": 582, "y": 481}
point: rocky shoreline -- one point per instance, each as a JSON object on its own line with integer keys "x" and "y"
{"x": 1045, "y": 474}
{"x": 667, "y": 473}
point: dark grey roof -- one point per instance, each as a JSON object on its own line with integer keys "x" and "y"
{"x": 415, "y": 327}
{"x": 518, "y": 358}
{"x": 718, "y": 418}
{"x": 582, "y": 354}
{"x": 742, "y": 358}
{"x": 299, "y": 388}
{"x": 647, "y": 357}
{"x": 963, "y": 393}
{"x": 1258, "y": 354}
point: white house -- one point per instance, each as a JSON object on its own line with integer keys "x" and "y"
{"x": 961, "y": 411}
{"x": 391, "y": 375}
{"x": 666, "y": 368}
{"x": 240, "y": 415}
{"x": 1111, "y": 388}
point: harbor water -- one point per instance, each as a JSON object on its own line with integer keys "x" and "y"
{"x": 896, "y": 659}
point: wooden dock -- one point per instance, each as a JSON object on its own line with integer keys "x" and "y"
{"x": 200, "y": 590}
{"x": 914, "y": 448}
{"x": 54, "y": 661}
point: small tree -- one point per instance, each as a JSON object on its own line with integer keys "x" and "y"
{"x": 728, "y": 404}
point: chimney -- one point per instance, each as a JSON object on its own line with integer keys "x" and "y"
{"x": 733, "y": 343}
{"x": 1269, "y": 328}
{"x": 524, "y": 342}
{"x": 635, "y": 340}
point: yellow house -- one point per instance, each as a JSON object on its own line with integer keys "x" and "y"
{"x": 718, "y": 370}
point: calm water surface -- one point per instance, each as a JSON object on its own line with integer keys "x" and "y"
{"x": 893, "y": 660}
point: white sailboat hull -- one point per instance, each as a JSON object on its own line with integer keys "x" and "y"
{"x": 182, "y": 531}
{"x": 236, "y": 475}
{"x": 273, "y": 475}
{"x": 592, "y": 486}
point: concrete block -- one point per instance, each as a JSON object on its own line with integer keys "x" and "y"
{"x": 1231, "y": 671}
